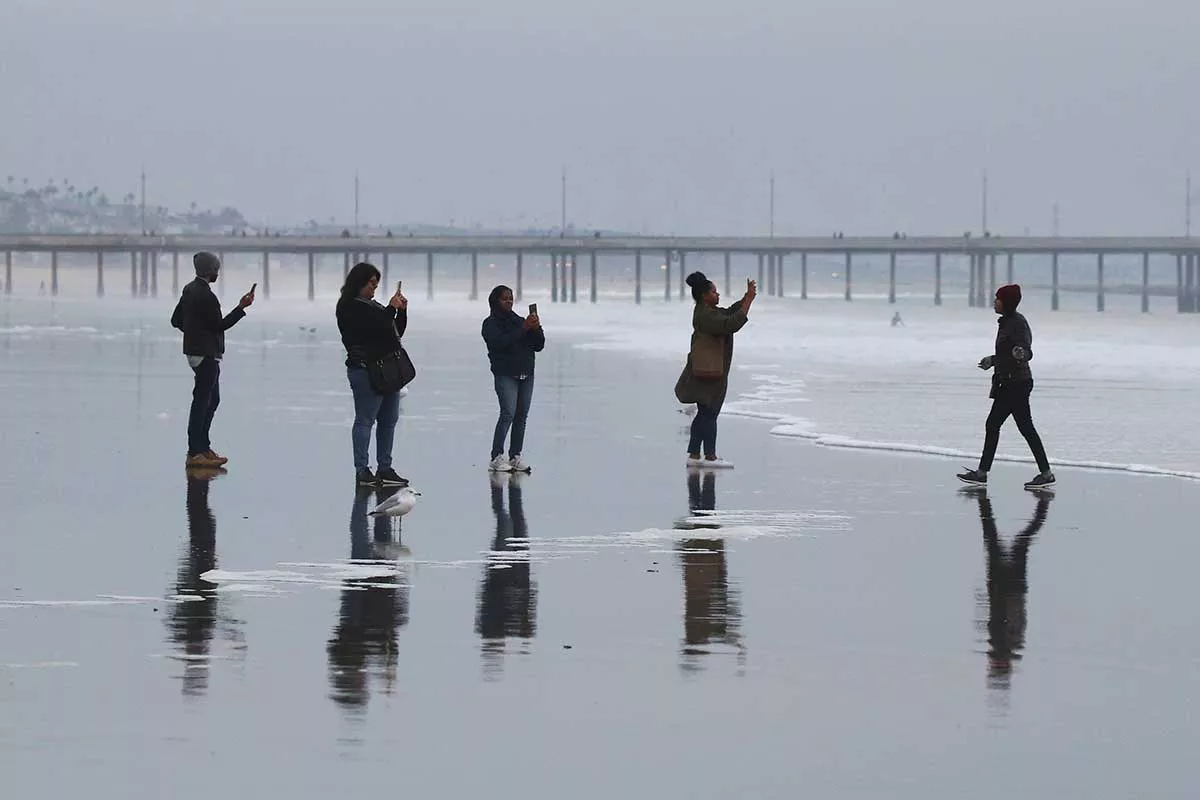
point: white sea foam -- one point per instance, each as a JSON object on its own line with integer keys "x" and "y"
{"x": 1114, "y": 391}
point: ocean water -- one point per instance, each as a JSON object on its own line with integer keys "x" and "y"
{"x": 836, "y": 620}
{"x": 1112, "y": 391}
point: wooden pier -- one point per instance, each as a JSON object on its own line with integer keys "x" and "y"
{"x": 983, "y": 256}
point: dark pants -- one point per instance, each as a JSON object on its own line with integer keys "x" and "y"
{"x": 372, "y": 410}
{"x": 1012, "y": 400}
{"x": 704, "y": 431}
{"x": 206, "y": 396}
{"x": 515, "y": 396}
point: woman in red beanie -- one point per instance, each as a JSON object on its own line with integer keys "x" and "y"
{"x": 1012, "y": 383}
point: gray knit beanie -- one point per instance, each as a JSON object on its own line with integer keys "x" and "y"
{"x": 207, "y": 265}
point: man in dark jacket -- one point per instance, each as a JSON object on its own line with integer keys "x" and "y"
{"x": 198, "y": 315}
{"x": 1012, "y": 383}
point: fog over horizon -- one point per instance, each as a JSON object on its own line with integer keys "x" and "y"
{"x": 669, "y": 117}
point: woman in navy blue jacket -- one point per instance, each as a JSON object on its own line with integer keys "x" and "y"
{"x": 511, "y": 341}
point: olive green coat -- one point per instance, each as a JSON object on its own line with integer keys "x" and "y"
{"x": 709, "y": 321}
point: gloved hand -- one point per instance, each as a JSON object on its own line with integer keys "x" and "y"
{"x": 985, "y": 363}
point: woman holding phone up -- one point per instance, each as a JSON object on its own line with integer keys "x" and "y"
{"x": 512, "y": 342}
{"x": 371, "y": 334}
{"x": 705, "y": 377}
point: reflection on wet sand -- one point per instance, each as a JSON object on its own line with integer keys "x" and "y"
{"x": 507, "y": 600}
{"x": 711, "y": 611}
{"x": 372, "y": 610}
{"x": 1006, "y": 589}
{"x": 193, "y": 618}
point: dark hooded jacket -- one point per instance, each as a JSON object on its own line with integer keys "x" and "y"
{"x": 198, "y": 315}
{"x": 1012, "y": 331}
{"x": 510, "y": 347}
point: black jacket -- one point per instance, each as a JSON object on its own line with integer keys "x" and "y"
{"x": 369, "y": 330}
{"x": 1012, "y": 331}
{"x": 198, "y": 315}
{"x": 510, "y": 347}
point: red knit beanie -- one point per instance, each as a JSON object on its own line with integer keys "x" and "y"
{"x": 1010, "y": 296}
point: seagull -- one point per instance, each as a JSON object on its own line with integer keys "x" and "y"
{"x": 396, "y": 505}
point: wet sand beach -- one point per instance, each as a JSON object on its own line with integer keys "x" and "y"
{"x": 815, "y": 621}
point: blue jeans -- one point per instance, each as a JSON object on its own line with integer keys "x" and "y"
{"x": 515, "y": 396}
{"x": 206, "y": 396}
{"x": 372, "y": 410}
{"x": 704, "y": 431}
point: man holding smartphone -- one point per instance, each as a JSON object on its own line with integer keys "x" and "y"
{"x": 198, "y": 315}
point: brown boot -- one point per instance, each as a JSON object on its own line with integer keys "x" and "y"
{"x": 201, "y": 460}
{"x": 217, "y": 457}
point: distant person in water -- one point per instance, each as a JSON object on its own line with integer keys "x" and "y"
{"x": 512, "y": 342}
{"x": 371, "y": 334}
{"x": 705, "y": 377}
{"x": 1012, "y": 383}
{"x": 198, "y": 315}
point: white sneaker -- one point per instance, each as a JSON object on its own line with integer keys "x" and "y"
{"x": 716, "y": 463}
{"x": 517, "y": 464}
{"x": 500, "y": 464}
{"x": 695, "y": 462}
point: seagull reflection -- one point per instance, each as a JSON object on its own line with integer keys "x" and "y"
{"x": 195, "y": 613}
{"x": 507, "y": 600}
{"x": 372, "y": 610}
{"x": 711, "y": 611}
{"x": 1006, "y": 589}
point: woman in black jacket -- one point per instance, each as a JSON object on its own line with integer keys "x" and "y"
{"x": 511, "y": 341}
{"x": 370, "y": 332}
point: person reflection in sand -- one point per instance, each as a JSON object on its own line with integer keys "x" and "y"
{"x": 1006, "y": 589}
{"x": 711, "y": 611}
{"x": 193, "y": 618}
{"x": 507, "y": 601}
{"x": 372, "y": 609}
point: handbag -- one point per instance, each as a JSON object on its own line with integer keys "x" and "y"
{"x": 391, "y": 373}
{"x": 708, "y": 356}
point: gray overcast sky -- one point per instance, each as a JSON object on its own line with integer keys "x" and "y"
{"x": 669, "y": 114}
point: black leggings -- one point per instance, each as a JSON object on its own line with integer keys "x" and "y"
{"x": 1012, "y": 400}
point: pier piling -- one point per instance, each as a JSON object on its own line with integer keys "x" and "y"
{"x": 312, "y": 276}
{"x": 637, "y": 277}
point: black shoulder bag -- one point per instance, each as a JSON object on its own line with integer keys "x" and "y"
{"x": 391, "y": 373}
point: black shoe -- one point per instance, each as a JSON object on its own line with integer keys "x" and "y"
{"x": 1042, "y": 481}
{"x": 973, "y": 477}
{"x": 388, "y": 477}
{"x": 366, "y": 478}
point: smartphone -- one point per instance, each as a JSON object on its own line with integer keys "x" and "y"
{"x": 533, "y": 309}
{"x": 253, "y": 286}
{"x": 398, "y": 285}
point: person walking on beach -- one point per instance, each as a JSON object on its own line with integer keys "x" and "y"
{"x": 705, "y": 377}
{"x": 512, "y": 342}
{"x": 198, "y": 315}
{"x": 1012, "y": 383}
{"x": 377, "y": 369}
